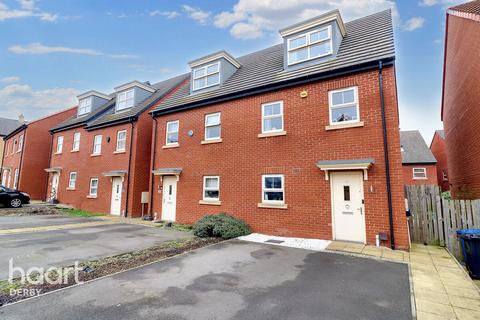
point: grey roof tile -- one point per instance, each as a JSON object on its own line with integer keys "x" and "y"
{"x": 8, "y": 125}
{"x": 415, "y": 149}
{"x": 368, "y": 39}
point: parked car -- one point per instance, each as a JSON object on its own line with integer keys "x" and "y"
{"x": 13, "y": 198}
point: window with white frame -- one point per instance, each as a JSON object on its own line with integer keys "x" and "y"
{"x": 20, "y": 143}
{"x": 72, "y": 181}
{"x": 97, "y": 144}
{"x": 15, "y": 179}
{"x": 445, "y": 175}
{"x": 125, "y": 99}
{"x": 211, "y": 188}
{"x": 76, "y": 141}
{"x": 84, "y": 106}
{"x": 343, "y": 106}
{"x": 59, "y": 144}
{"x": 93, "y": 187}
{"x": 273, "y": 189}
{"x": 121, "y": 140}
{"x": 13, "y": 146}
{"x": 419, "y": 173}
{"x": 310, "y": 45}
{"x": 272, "y": 117}
{"x": 212, "y": 126}
{"x": 172, "y": 132}
{"x": 206, "y": 76}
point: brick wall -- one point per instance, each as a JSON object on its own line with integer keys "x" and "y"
{"x": 439, "y": 150}
{"x": 242, "y": 158}
{"x": 431, "y": 174}
{"x": 461, "y": 112}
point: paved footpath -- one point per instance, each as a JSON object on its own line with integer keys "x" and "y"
{"x": 442, "y": 288}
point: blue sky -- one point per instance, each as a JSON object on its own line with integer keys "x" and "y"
{"x": 53, "y": 50}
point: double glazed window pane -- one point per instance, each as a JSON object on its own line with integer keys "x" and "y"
{"x": 319, "y": 35}
{"x": 213, "y": 79}
{"x": 344, "y": 106}
{"x": 211, "y": 188}
{"x": 212, "y": 126}
{"x": 320, "y": 49}
{"x": 206, "y": 76}
{"x": 272, "y": 117}
{"x": 298, "y": 42}
{"x": 343, "y": 97}
{"x": 125, "y": 100}
{"x": 172, "y": 132}
{"x": 93, "y": 187}
{"x": 298, "y": 55}
{"x": 273, "y": 189}
{"x": 344, "y": 114}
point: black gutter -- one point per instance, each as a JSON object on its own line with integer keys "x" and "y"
{"x": 152, "y": 176}
{"x": 385, "y": 154}
{"x": 129, "y": 169}
{"x": 271, "y": 87}
{"x": 21, "y": 158}
{"x": 49, "y": 166}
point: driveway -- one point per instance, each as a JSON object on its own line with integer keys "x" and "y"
{"x": 64, "y": 247}
{"x": 14, "y": 222}
{"x": 236, "y": 280}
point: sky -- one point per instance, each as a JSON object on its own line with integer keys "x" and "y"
{"x": 53, "y": 50}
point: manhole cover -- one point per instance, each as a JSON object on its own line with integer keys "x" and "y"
{"x": 274, "y": 241}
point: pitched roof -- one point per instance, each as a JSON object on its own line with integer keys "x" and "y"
{"x": 8, "y": 125}
{"x": 415, "y": 149}
{"x": 368, "y": 40}
{"x": 162, "y": 88}
{"x": 472, "y": 7}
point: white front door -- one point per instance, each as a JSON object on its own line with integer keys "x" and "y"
{"x": 116, "y": 203}
{"x": 55, "y": 178}
{"x": 169, "y": 202}
{"x": 347, "y": 205}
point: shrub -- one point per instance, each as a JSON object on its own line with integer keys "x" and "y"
{"x": 220, "y": 225}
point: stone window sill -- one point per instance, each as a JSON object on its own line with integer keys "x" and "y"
{"x": 272, "y": 134}
{"x": 344, "y": 126}
{"x": 119, "y": 152}
{"x": 95, "y": 155}
{"x": 211, "y": 141}
{"x": 212, "y": 203}
{"x": 57, "y": 153}
{"x": 91, "y": 197}
{"x": 168, "y": 146}
{"x": 70, "y": 189}
{"x": 74, "y": 150}
{"x": 272, "y": 206}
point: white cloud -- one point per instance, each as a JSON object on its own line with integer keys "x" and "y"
{"x": 196, "y": 14}
{"x": 167, "y": 14}
{"x": 21, "y": 98}
{"x": 27, "y": 9}
{"x": 413, "y": 23}
{"x": 443, "y": 3}
{"x": 38, "y": 48}
{"x": 250, "y": 19}
{"x": 10, "y": 79}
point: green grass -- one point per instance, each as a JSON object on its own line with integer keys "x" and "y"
{"x": 80, "y": 213}
{"x": 177, "y": 227}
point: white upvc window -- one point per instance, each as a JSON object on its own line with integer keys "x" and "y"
{"x": 212, "y": 126}
{"x": 15, "y": 179}
{"x": 419, "y": 173}
{"x": 72, "y": 181}
{"x": 59, "y": 144}
{"x": 84, "y": 106}
{"x": 172, "y": 132}
{"x": 211, "y": 188}
{"x": 93, "y": 187}
{"x": 20, "y": 143}
{"x": 272, "y": 117}
{"x": 76, "y": 141}
{"x": 343, "y": 106}
{"x": 273, "y": 189}
{"x": 97, "y": 144}
{"x": 125, "y": 99}
{"x": 311, "y": 45}
{"x": 207, "y": 76}
{"x": 4, "y": 177}
{"x": 121, "y": 140}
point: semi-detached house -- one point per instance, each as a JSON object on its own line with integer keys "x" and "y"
{"x": 298, "y": 139}
{"x": 100, "y": 157}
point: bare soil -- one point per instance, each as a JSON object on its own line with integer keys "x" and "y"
{"x": 31, "y": 210}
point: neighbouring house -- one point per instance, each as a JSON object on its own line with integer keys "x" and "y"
{"x": 100, "y": 158}
{"x": 7, "y": 126}
{"x": 439, "y": 150}
{"x": 290, "y": 138}
{"x": 27, "y": 153}
{"x": 419, "y": 163}
{"x": 461, "y": 99}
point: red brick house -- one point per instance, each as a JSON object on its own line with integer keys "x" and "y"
{"x": 26, "y": 155}
{"x": 439, "y": 150}
{"x": 418, "y": 162}
{"x": 461, "y": 99}
{"x": 100, "y": 158}
{"x": 299, "y": 139}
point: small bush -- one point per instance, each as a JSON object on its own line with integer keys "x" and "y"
{"x": 220, "y": 226}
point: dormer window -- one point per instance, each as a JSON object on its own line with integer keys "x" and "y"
{"x": 311, "y": 45}
{"x": 206, "y": 76}
{"x": 85, "y": 106}
{"x": 125, "y": 99}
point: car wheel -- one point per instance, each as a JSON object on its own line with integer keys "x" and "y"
{"x": 15, "y": 203}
